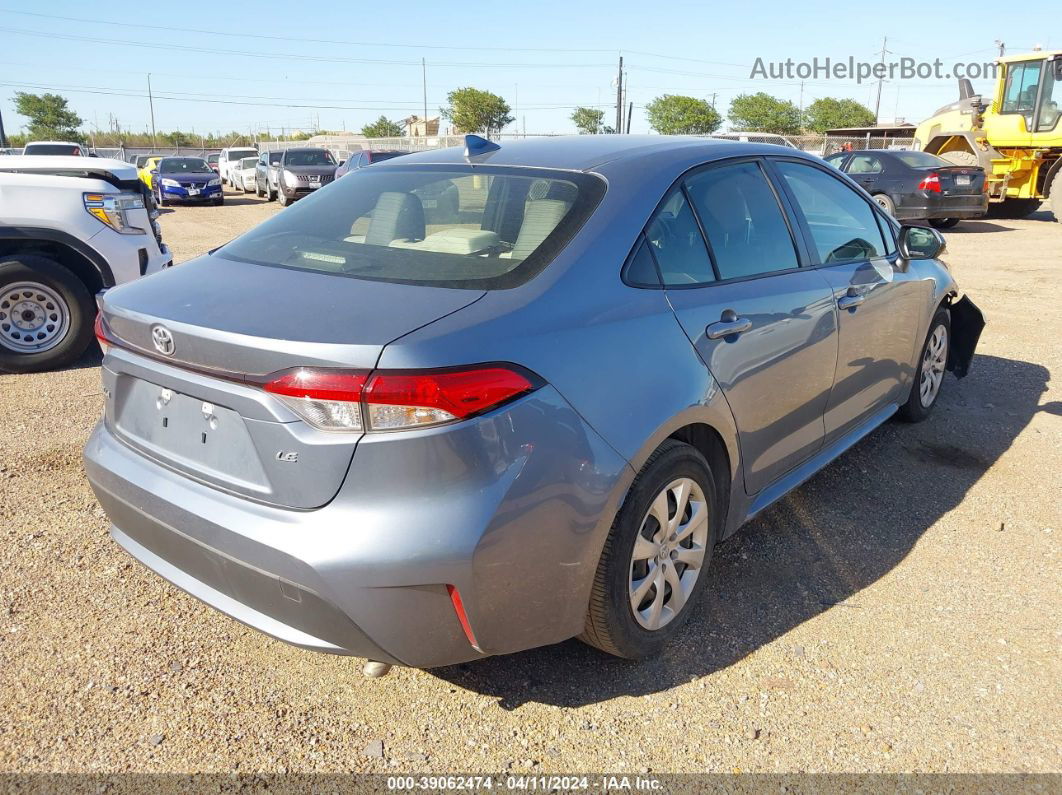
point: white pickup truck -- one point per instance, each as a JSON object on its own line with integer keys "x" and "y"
{"x": 70, "y": 228}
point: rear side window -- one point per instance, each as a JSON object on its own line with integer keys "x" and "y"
{"x": 677, "y": 245}
{"x": 743, "y": 220}
{"x": 478, "y": 227}
{"x": 843, "y": 227}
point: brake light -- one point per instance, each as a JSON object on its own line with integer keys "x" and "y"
{"x": 930, "y": 183}
{"x": 337, "y": 400}
{"x": 101, "y": 334}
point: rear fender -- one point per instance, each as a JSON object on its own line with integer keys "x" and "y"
{"x": 967, "y": 323}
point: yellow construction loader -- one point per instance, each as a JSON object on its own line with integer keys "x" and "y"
{"x": 1016, "y": 135}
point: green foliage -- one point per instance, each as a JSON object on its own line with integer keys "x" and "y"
{"x": 178, "y": 138}
{"x": 383, "y": 127}
{"x": 588, "y": 120}
{"x": 764, "y": 113}
{"x": 475, "y": 111}
{"x": 49, "y": 117}
{"x": 829, "y": 113}
{"x": 672, "y": 114}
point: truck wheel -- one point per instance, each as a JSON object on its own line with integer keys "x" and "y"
{"x": 1056, "y": 196}
{"x": 655, "y": 562}
{"x": 1013, "y": 208}
{"x": 960, "y": 157}
{"x": 46, "y": 314}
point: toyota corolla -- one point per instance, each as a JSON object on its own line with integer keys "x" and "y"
{"x": 470, "y": 402}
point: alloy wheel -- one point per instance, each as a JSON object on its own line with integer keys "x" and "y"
{"x": 934, "y": 360}
{"x": 668, "y": 554}
{"x": 33, "y": 318}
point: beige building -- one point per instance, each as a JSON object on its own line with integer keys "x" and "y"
{"x": 419, "y": 127}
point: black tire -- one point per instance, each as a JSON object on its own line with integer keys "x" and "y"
{"x": 914, "y": 409}
{"x": 610, "y": 622}
{"x": 220, "y": 200}
{"x": 886, "y": 203}
{"x": 34, "y": 268}
{"x": 258, "y": 189}
{"x": 1055, "y": 193}
{"x": 943, "y": 223}
{"x": 282, "y": 199}
{"x": 161, "y": 202}
{"x": 1013, "y": 209}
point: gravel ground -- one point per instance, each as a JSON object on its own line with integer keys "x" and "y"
{"x": 899, "y": 612}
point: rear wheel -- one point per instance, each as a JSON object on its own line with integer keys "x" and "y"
{"x": 960, "y": 158}
{"x": 943, "y": 223}
{"x": 931, "y": 367}
{"x": 654, "y": 564}
{"x": 885, "y": 203}
{"x": 46, "y": 314}
{"x": 1013, "y": 208}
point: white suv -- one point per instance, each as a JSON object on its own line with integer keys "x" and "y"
{"x": 229, "y": 163}
{"x": 70, "y": 228}
{"x": 54, "y": 148}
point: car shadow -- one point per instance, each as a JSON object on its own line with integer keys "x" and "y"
{"x": 811, "y": 552}
{"x": 977, "y": 227}
{"x": 237, "y": 199}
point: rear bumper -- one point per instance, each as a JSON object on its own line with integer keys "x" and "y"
{"x": 971, "y": 206}
{"x": 511, "y": 508}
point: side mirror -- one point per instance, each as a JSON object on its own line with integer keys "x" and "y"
{"x": 920, "y": 242}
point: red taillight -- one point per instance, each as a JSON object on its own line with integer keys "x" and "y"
{"x": 101, "y": 334}
{"x": 930, "y": 183}
{"x": 354, "y": 401}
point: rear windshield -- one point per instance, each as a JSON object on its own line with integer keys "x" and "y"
{"x": 213, "y": 158}
{"x": 313, "y": 157}
{"x": 52, "y": 149}
{"x": 922, "y": 160}
{"x": 184, "y": 165}
{"x": 476, "y": 227}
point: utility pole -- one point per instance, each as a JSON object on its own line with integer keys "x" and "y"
{"x": 877, "y": 102}
{"x": 1002, "y": 48}
{"x": 630, "y": 112}
{"x": 619, "y": 97}
{"x": 801, "y": 99}
{"x": 151, "y": 104}
{"x": 424, "y": 84}
{"x": 714, "y": 93}
{"x": 3, "y": 137}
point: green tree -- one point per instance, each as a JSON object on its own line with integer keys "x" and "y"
{"x": 177, "y": 138}
{"x": 672, "y": 114}
{"x": 383, "y": 127}
{"x": 49, "y": 117}
{"x": 829, "y": 113}
{"x": 472, "y": 110}
{"x": 588, "y": 120}
{"x": 764, "y": 113}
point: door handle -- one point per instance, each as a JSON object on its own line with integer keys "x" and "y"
{"x": 850, "y": 301}
{"x": 724, "y": 328}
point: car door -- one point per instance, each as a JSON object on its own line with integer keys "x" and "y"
{"x": 879, "y": 302}
{"x": 764, "y": 325}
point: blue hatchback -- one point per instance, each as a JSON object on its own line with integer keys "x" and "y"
{"x": 186, "y": 179}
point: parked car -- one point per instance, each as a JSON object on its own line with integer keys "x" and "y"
{"x": 302, "y": 171}
{"x": 244, "y": 174}
{"x": 53, "y": 148}
{"x": 917, "y": 185}
{"x": 265, "y": 174}
{"x": 186, "y": 179}
{"x": 70, "y": 228}
{"x": 141, "y": 160}
{"x": 229, "y": 158}
{"x": 212, "y": 161}
{"x": 147, "y": 170}
{"x": 475, "y": 433}
{"x": 366, "y": 157}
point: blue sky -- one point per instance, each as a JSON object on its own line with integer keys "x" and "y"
{"x": 544, "y": 57}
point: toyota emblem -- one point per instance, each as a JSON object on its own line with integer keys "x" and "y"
{"x": 163, "y": 339}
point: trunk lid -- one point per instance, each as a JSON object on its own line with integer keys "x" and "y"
{"x": 201, "y": 410}
{"x": 959, "y": 180}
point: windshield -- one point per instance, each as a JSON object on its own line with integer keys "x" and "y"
{"x": 249, "y": 162}
{"x": 274, "y": 157}
{"x": 448, "y": 226}
{"x": 52, "y": 149}
{"x": 309, "y": 157}
{"x": 184, "y": 165}
{"x": 922, "y": 160}
{"x": 379, "y": 157}
{"x": 239, "y": 154}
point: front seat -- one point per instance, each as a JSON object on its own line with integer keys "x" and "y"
{"x": 397, "y": 216}
{"x": 541, "y": 217}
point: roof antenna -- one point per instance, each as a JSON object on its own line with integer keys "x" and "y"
{"x": 475, "y": 145}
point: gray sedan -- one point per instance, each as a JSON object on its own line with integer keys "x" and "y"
{"x": 470, "y": 402}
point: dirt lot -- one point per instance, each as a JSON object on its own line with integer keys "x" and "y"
{"x": 899, "y": 612}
